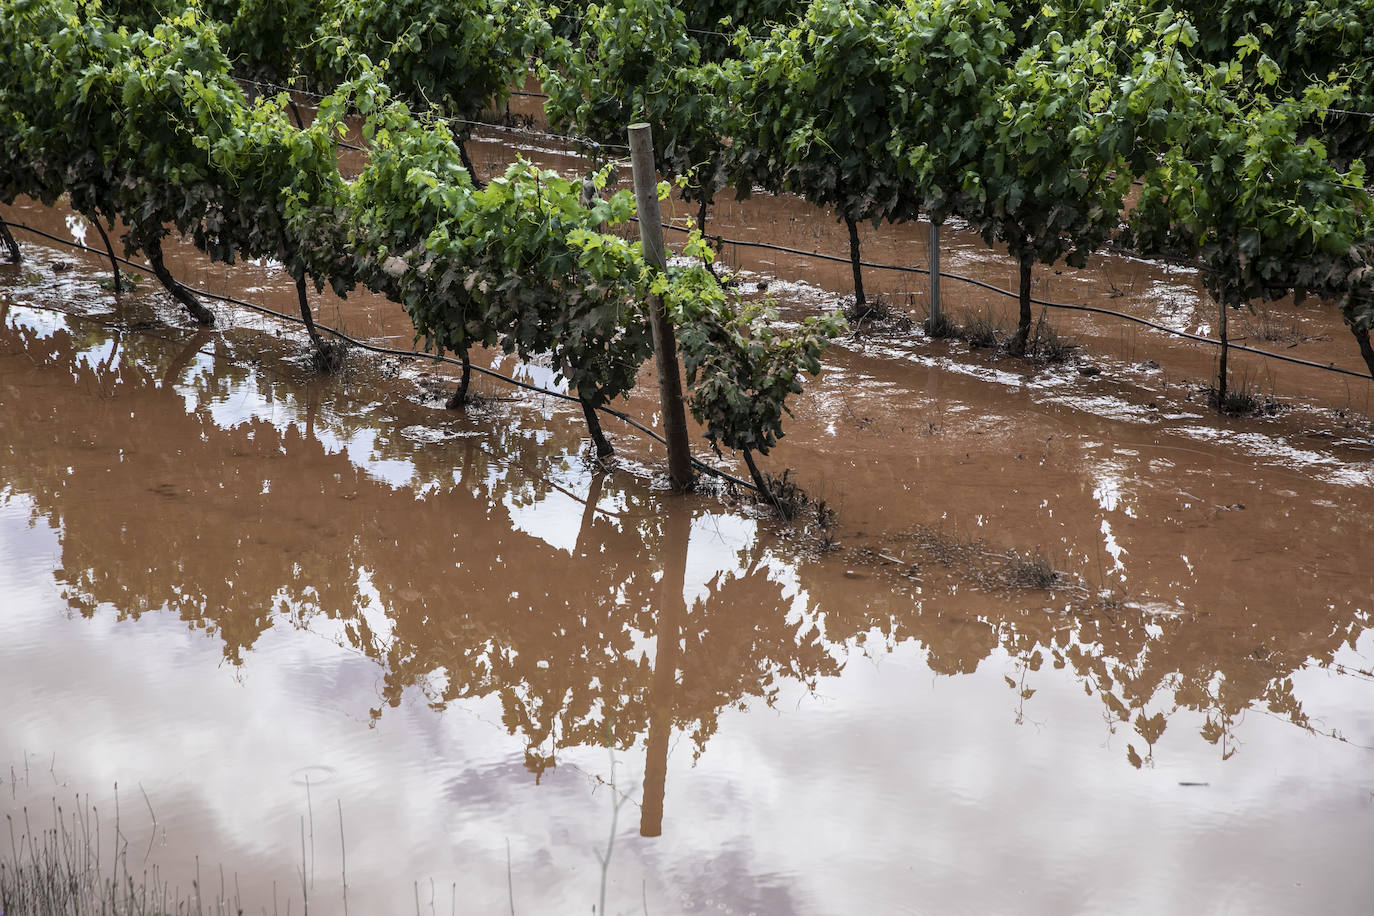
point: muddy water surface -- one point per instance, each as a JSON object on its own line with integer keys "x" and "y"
{"x": 343, "y": 642}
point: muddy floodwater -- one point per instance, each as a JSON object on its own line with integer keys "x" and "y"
{"x": 1073, "y": 644}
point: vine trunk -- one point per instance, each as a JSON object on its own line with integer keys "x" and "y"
{"x": 15, "y": 255}
{"x": 308, "y": 318}
{"x": 755, "y": 473}
{"x": 459, "y": 397}
{"x": 854, "y": 260}
{"x": 603, "y": 446}
{"x": 1366, "y": 350}
{"x": 109, "y": 249}
{"x": 198, "y": 311}
{"x": 467, "y": 164}
{"x": 1023, "y": 321}
{"x": 1225, "y": 352}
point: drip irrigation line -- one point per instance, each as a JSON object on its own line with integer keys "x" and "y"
{"x": 394, "y": 351}
{"x": 1091, "y": 309}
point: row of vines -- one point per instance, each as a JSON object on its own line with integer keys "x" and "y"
{"x": 1235, "y": 135}
{"x": 1231, "y": 134}
{"x": 148, "y": 125}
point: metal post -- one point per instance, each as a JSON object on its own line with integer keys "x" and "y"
{"x": 665, "y": 341}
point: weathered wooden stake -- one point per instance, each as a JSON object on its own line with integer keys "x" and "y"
{"x": 665, "y": 341}
{"x": 934, "y": 273}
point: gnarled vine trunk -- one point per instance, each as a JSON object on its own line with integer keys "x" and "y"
{"x": 603, "y": 446}
{"x": 1225, "y": 352}
{"x": 701, "y": 227}
{"x": 183, "y": 295}
{"x": 854, "y": 261}
{"x": 109, "y": 250}
{"x": 460, "y": 396}
{"x": 754, "y": 473}
{"x": 1366, "y": 350}
{"x": 320, "y": 347}
{"x": 1023, "y": 321}
{"x": 15, "y": 255}
{"x": 467, "y": 164}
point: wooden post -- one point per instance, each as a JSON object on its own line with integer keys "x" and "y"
{"x": 934, "y": 273}
{"x": 665, "y": 341}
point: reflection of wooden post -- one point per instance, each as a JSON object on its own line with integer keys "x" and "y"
{"x": 665, "y": 342}
{"x": 672, "y": 614}
{"x": 584, "y": 532}
{"x": 934, "y": 273}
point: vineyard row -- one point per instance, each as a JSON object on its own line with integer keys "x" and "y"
{"x": 1039, "y": 128}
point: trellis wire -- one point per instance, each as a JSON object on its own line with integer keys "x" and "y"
{"x": 395, "y": 351}
{"x": 1092, "y": 309}
{"x": 900, "y": 268}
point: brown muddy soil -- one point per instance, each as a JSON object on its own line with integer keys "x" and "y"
{"x": 1073, "y": 630}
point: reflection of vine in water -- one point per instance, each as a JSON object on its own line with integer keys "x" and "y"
{"x": 1143, "y": 667}
{"x": 235, "y": 549}
{"x": 225, "y": 547}
{"x": 433, "y": 580}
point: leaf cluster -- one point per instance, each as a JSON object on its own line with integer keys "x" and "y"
{"x": 815, "y": 111}
{"x": 632, "y": 61}
{"x": 741, "y": 365}
{"x": 456, "y": 58}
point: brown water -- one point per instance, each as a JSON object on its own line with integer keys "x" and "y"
{"x": 267, "y": 601}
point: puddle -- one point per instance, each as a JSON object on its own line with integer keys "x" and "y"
{"x": 494, "y": 663}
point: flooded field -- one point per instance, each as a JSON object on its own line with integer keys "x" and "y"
{"x": 1073, "y": 644}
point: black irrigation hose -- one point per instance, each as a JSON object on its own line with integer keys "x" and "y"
{"x": 393, "y": 351}
{"x": 1092, "y": 309}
